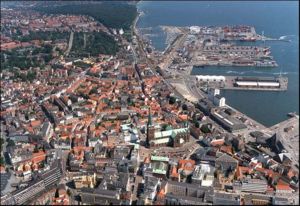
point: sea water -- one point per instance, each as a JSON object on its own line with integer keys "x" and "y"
{"x": 276, "y": 19}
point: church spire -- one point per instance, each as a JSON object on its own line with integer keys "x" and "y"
{"x": 149, "y": 118}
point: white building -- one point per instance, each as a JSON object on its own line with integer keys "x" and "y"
{"x": 216, "y": 98}
{"x": 210, "y": 78}
{"x": 121, "y": 31}
{"x": 257, "y": 84}
{"x": 203, "y": 174}
{"x": 194, "y": 29}
{"x": 219, "y": 101}
{"x": 93, "y": 141}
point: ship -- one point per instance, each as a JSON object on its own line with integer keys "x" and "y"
{"x": 266, "y": 64}
{"x": 248, "y": 39}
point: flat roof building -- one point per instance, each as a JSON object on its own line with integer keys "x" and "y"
{"x": 228, "y": 122}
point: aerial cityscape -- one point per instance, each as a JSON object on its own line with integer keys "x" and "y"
{"x": 149, "y": 103}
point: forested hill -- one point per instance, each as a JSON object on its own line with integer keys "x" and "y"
{"x": 111, "y": 14}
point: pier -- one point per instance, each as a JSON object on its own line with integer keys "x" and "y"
{"x": 256, "y": 83}
{"x": 243, "y": 83}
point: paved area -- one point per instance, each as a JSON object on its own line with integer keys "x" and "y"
{"x": 289, "y": 132}
{"x": 6, "y": 180}
{"x": 138, "y": 180}
{"x": 183, "y": 90}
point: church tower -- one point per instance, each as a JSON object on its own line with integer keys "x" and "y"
{"x": 150, "y": 128}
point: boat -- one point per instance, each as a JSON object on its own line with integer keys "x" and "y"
{"x": 248, "y": 39}
{"x": 291, "y": 114}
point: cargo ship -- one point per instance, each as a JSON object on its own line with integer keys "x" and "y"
{"x": 266, "y": 64}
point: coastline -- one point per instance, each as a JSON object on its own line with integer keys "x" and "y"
{"x": 265, "y": 72}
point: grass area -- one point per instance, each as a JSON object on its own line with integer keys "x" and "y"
{"x": 96, "y": 43}
{"x": 24, "y": 58}
{"x": 42, "y": 35}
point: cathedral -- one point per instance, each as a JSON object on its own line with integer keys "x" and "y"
{"x": 170, "y": 137}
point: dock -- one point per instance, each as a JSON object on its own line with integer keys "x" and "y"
{"x": 256, "y": 83}
{"x": 243, "y": 82}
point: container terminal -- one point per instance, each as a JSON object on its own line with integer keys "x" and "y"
{"x": 217, "y": 46}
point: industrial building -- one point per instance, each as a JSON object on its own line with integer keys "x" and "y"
{"x": 216, "y": 98}
{"x": 227, "y": 122}
{"x": 261, "y": 82}
{"x": 257, "y": 84}
{"x": 205, "y": 105}
{"x": 251, "y": 185}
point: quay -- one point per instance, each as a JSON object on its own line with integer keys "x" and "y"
{"x": 216, "y": 46}
{"x": 256, "y": 83}
{"x": 244, "y": 83}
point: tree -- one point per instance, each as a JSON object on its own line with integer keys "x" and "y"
{"x": 164, "y": 127}
{"x": 2, "y": 162}
{"x": 96, "y": 43}
{"x": 47, "y": 58}
{"x": 31, "y": 75}
{"x": 10, "y": 143}
{"x": 36, "y": 149}
{"x": 205, "y": 129}
{"x": 111, "y": 14}
{"x": 172, "y": 100}
{"x": 68, "y": 192}
{"x": 93, "y": 91}
{"x": 1, "y": 143}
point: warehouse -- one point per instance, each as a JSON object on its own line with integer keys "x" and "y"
{"x": 268, "y": 84}
{"x": 257, "y": 84}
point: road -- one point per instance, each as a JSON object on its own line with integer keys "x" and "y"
{"x": 191, "y": 85}
{"x": 138, "y": 180}
{"x": 169, "y": 55}
{"x": 70, "y": 43}
{"x": 149, "y": 62}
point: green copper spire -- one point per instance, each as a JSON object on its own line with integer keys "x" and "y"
{"x": 186, "y": 124}
{"x": 149, "y": 118}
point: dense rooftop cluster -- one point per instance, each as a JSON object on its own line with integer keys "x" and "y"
{"x": 27, "y": 23}
{"x": 100, "y": 119}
